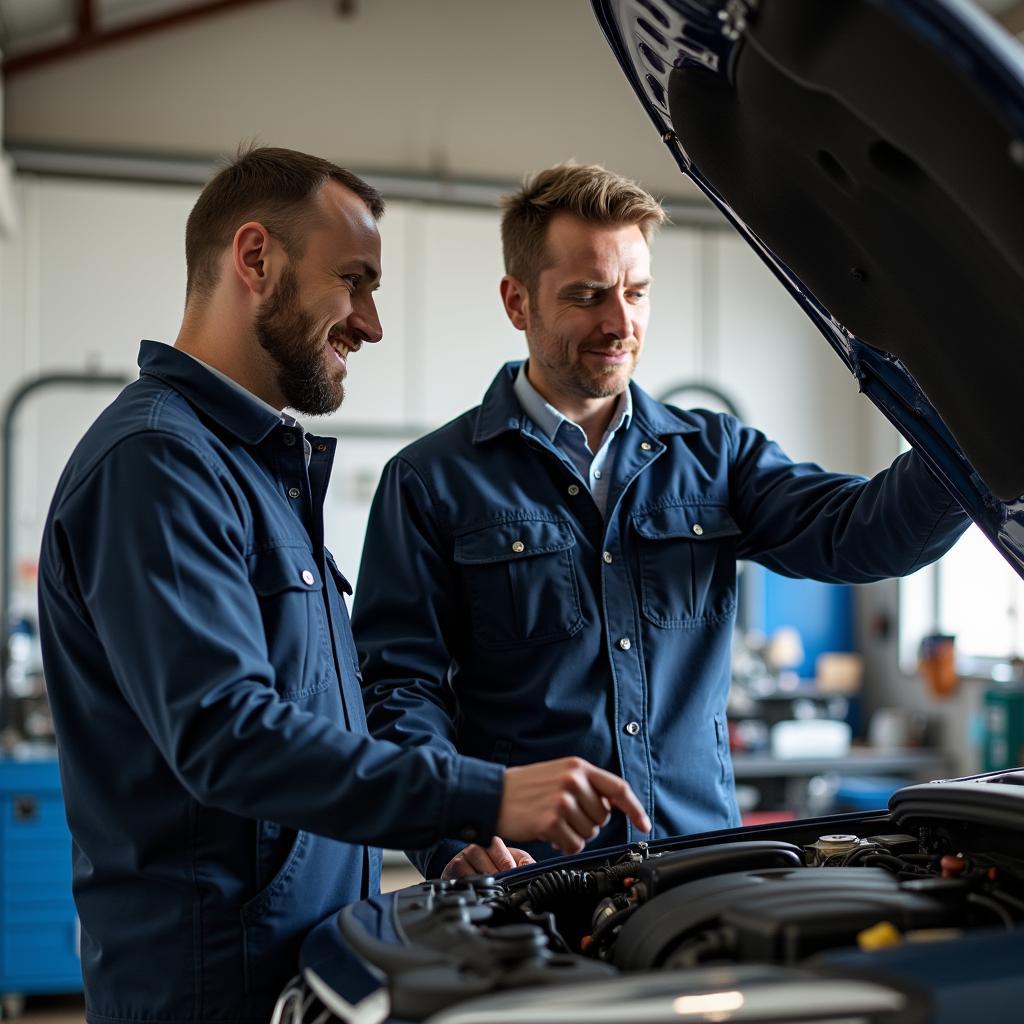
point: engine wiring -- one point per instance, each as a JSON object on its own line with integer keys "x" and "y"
{"x": 585, "y": 911}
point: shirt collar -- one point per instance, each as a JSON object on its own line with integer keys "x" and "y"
{"x": 550, "y": 419}
{"x": 231, "y": 382}
{"x": 501, "y": 410}
{"x": 212, "y": 392}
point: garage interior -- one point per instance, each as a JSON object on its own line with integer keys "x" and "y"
{"x": 115, "y": 112}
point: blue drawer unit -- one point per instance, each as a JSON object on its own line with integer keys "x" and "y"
{"x": 39, "y": 936}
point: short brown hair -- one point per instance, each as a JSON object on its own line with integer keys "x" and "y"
{"x": 587, "y": 191}
{"x": 265, "y": 184}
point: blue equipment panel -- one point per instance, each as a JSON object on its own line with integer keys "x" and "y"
{"x": 39, "y": 935}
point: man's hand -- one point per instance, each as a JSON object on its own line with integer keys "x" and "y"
{"x": 485, "y": 860}
{"x": 564, "y": 802}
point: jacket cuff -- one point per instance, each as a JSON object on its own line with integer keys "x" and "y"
{"x": 473, "y": 801}
{"x": 430, "y": 862}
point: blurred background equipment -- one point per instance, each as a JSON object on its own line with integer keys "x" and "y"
{"x": 1004, "y": 727}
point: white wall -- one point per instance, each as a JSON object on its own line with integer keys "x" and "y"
{"x": 96, "y": 266}
{"x": 451, "y": 88}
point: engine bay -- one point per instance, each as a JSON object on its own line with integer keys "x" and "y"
{"x": 945, "y": 862}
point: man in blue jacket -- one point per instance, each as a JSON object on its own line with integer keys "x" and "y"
{"x": 219, "y": 780}
{"x": 555, "y": 571}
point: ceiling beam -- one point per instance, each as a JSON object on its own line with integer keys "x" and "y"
{"x": 88, "y": 38}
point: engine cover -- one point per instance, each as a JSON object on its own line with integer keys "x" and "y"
{"x": 780, "y": 915}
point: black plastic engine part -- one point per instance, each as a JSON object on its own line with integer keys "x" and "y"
{"x": 452, "y": 954}
{"x": 996, "y": 801}
{"x": 555, "y": 888}
{"x": 775, "y": 916}
{"x": 659, "y": 874}
{"x": 896, "y": 844}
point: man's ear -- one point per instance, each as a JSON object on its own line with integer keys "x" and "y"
{"x": 517, "y": 301}
{"x": 256, "y": 258}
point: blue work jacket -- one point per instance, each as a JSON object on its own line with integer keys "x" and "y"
{"x": 217, "y": 772}
{"x": 497, "y": 613}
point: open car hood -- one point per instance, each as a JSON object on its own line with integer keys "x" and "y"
{"x": 872, "y": 153}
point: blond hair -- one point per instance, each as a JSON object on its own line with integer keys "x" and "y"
{"x": 587, "y": 191}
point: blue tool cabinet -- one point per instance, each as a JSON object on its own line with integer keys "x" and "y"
{"x": 39, "y": 936}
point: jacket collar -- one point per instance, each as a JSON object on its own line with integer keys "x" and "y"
{"x": 244, "y": 415}
{"x": 500, "y": 410}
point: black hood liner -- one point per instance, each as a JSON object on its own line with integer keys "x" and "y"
{"x": 891, "y": 187}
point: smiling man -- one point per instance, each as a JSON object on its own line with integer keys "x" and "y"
{"x": 554, "y": 572}
{"x": 218, "y": 776}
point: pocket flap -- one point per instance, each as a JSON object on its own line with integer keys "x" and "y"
{"x": 339, "y": 577}
{"x": 694, "y": 522}
{"x": 504, "y": 542}
{"x": 285, "y": 568}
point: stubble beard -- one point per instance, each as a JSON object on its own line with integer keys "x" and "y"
{"x": 575, "y": 378}
{"x": 289, "y": 336}
{"x": 606, "y": 384}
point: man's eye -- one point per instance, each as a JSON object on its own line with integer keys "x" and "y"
{"x": 585, "y": 298}
{"x": 638, "y": 295}
{"x": 352, "y": 280}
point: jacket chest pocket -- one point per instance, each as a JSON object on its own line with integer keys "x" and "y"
{"x": 687, "y": 560}
{"x": 290, "y": 592}
{"x": 520, "y": 582}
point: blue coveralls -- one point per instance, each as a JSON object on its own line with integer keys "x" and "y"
{"x": 217, "y": 772}
{"x": 499, "y": 614}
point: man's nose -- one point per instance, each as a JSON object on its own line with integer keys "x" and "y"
{"x": 365, "y": 324}
{"x": 617, "y": 322}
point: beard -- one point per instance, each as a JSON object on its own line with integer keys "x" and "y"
{"x": 564, "y": 363}
{"x": 602, "y": 384}
{"x": 290, "y": 337}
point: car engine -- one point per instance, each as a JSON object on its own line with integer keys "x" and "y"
{"x": 945, "y": 862}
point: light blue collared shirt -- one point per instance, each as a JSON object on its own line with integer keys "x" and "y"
{"x": 593, "y": 468}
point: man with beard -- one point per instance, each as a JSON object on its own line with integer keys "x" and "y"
{"x": 555, "y": 571}
{"x": 218, "y": 776}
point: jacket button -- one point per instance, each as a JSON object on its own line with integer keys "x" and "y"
{"x": 518, "y": 547}
{"x": 607, "y": 556}
{"x": 632, "y": 728}
{"x": 307, "y": 577}
{"x": 468, "y": 833}
{"x": 646, "y": 445}
{"x": 698, "y": 529}
{"x": 625, "y": 644}
{"x": 288, "y": 439}
{"x": 294, "y": 492}
{"x": 573, "y": 490}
